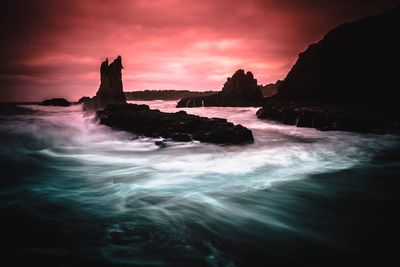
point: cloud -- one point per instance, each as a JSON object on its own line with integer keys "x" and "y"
{"x": 54, "y": 48}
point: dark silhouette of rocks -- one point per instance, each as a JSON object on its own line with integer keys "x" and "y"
{"x": 61, "y": 102}
{"x": 164, "y": 94}
{"x": 271, "y": 89}
{"x": 7, "y": 109}
{"x": 353, "y": 71}
{"x": 326, "y": 117}
{"x": 111, "y": 88}
{"x": 113, "y": 111}
{"x": 83, "y": 99}
{"x": 179, "y": 126}
{"x": 240, "y": 90}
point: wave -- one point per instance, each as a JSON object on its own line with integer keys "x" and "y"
{"x": 146, "y": 196}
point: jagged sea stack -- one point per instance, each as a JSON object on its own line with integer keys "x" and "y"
{"x": 240, "y": 90}
{"x": 111, "y": 88}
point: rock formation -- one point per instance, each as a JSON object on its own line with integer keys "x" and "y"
{"x": 353, "y": 68}
{"x": 111, "y": 89}
{"x": 326, "y": 117}
{"x": 271, "y": 89}
{"x": 240, "y": 90}
{"x": 61, "y": 102}
{"x": 83, "y": 99}
{"x": 147, "y": 95}
{"x": 113, "y": 111}
{"x": 353, "y": 64}
{"x": 179, "y": 126}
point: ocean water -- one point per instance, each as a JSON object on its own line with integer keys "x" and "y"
{"x": 76, "y": 193}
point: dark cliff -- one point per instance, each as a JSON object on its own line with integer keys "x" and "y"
{"x": 354, "y": 64}
{"x": 347, "y": 81}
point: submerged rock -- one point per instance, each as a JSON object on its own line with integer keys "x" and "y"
{"x": 111, "y": 88}
{"x": 179, "y": 126}
{"x": 61, "y": 102}
{"x": 240, "y": 90}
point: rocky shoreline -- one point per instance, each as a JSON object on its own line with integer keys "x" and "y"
{"x": 330, "y": 118}
{"x": 179, "y": 126}
{"x": 347, "y": 81}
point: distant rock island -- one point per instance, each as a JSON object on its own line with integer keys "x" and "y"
{"x": 347, "y": 81}
{"x": 240, "y": 90}
{"x": 111, "y": 88}
{"x": 148, "y": 95}
{"x": 61, "y": 102}
{"x": 179, "y": 126}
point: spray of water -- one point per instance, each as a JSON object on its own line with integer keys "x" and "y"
{"x": 151, "y": 196}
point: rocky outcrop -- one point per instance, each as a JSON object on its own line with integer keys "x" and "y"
{"x": 271, "y": 89}
{"x": 61, "y": 102}
{"x": 179, "y": 126}
{"x": 240, "y": 90}
{"x": 83, "y": 99}
{"x": 330, "y": 117}
{"x": 147, "y": 95}
{"x": 352, "y": 69}
{"x": 111, "y": 88}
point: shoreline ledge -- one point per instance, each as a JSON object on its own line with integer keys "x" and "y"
{"x": 324, "y": 117}
{"x": 178, "y": 126}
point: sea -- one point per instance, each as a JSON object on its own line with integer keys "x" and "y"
{"x": 77, "y": 193}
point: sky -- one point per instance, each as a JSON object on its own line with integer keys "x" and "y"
{"x": 53, "y": 48}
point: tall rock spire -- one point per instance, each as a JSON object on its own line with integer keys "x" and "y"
{"x": 111, "y": 88}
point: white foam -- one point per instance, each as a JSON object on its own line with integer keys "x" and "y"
{"x": 280, "y": 153}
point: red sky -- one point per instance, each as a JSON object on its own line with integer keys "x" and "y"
{"x": 52, "y": 48}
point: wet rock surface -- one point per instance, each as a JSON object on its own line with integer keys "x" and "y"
{"x": 179, "y": 126}
{"x": 330, "y": 118}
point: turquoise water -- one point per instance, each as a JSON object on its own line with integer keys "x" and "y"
{"x": 77, "y": 193}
